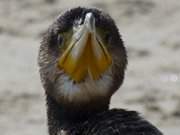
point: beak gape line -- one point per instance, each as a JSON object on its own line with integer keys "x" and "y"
{"x": 86, "y": 53}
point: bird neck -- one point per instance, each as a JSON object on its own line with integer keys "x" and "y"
{"x": 61, "y": 117}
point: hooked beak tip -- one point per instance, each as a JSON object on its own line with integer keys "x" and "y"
{"x": 89, "y": 21}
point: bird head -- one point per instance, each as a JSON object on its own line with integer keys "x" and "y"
{"x": 82, "y": 58}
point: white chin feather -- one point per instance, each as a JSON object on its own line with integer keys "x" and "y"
{"x": 83, "y": 91}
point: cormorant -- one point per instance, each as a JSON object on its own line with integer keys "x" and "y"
{"x": 82, "y": 61}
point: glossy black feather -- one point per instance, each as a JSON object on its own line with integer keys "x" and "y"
{"x": 119, "y": 122}
{"x": 108, "y": 122}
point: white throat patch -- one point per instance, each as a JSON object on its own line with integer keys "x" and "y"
{"x": 83, "y": 91}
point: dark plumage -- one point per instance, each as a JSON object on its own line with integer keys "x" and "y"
{"x": 69, "y": 115}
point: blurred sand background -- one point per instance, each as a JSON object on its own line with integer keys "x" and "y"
{"x": 151, "y": 31}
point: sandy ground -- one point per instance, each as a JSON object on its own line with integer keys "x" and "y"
{"x": 151, "y": 33}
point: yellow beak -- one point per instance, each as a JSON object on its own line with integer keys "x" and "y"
{"x": 86, "y": 55}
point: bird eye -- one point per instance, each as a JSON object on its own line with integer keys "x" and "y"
{"x": 104, "y": 34}
{"x": 107, "y": 37}
{"x": 60, "y": 40}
